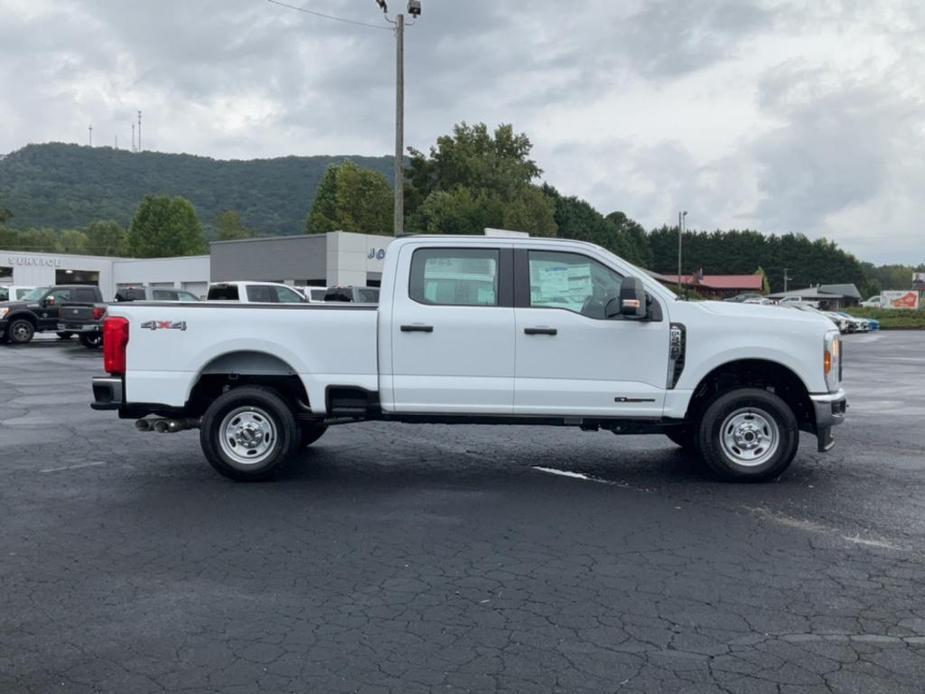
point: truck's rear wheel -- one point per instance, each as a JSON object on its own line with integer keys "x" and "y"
{"x": 311, "y": 433}
{"x": 248, "y": 432}
{"x": 21, "y": 331}
{"x": 748, "y": 434}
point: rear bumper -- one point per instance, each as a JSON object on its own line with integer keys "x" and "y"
{"x": 78, "y": 327}
{"x": 108, "y": 393}
{"x": 830, "y": 411}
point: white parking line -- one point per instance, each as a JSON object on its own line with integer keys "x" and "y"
{"x": 573, "y": 475}
{"x": 72, "y": 467}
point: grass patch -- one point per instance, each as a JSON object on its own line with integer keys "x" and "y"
{"x": 892, "y": 319}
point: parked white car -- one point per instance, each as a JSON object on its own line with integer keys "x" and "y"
{"x": 873, "y": 302}
{"x": 478, "y": 330}
{"x": 254, "y": 293}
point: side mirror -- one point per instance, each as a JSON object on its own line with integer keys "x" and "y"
{"x": 49, "y": 301}
{"x": 632, "y": 299}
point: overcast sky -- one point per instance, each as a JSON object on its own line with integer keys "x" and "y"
{"x": 804, "y": 116}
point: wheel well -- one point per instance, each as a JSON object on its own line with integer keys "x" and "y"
{"x": 756, "y": 373}
{"x": 23, "y": 316}
{"x": 251, "y": 368}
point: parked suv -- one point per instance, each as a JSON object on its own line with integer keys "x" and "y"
{"x": 38, "y": 311}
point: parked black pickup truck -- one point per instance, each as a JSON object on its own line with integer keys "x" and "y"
{"x": 39, "y": 311}
{"x": 84, "y": 319}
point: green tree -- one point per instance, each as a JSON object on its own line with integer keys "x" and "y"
{"x": 228, "y": 227}
{"x": 106, "y": 238}
{"x": 72, "y": 241}
{"x": 5, "y": 215}
{"x": 474, "y": 167}
{"x": 165, "y": 227}
{"x": 351, "y": 198}
{"x": 631, "y": 238}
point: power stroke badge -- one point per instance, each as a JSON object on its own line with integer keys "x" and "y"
{"x": 164, "y": 325}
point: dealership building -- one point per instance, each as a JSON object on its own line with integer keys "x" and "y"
{"x": 322, "y": 260}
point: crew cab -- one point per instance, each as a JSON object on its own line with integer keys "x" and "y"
{"x": 481, "y": 330}
{"x": 85, "y": 319}
{"x": 38, "y": 311}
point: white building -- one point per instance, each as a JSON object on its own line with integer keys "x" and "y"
{"x": 336, "y": 258}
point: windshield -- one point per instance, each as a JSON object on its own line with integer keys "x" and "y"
{"x": 36, "y": 294}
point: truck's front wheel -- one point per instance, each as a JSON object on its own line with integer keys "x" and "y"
{"x": 748, "y": 434}
{"x": 248, "y": 432}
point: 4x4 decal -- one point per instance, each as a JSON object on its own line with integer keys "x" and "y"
{"x": 164, "y": 325}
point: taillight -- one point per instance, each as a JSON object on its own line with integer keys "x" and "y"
{"x": 98, "y": 312}
{"x": 115, "y": 340}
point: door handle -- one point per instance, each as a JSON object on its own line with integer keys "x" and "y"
{"x": 540, "y": 331}
{"x": 417, "y": 328}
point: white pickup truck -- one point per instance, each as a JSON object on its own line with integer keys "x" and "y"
{"x": 481, "y": 330}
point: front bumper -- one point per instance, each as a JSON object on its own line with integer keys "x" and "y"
{"x": 830, "y": 411}
{"x": 107, "y": 393}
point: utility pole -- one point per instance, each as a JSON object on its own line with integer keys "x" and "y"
{"x": 787, "y": 278}
{"x": 399, "y": 226}
{"x": 133, "y": 136}
{"x": 681, "y": 217}
{"x": 139, "y": 131}
{"x": 90, "y": 130}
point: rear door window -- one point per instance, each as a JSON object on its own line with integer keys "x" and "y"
{"x": 4, "y": 294}
{"x": 260, "y": 294}
{"x": 455, "y": 276}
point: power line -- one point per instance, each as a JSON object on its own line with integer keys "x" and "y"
{"x": 330, "y": 16}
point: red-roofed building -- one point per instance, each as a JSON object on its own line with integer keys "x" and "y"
{"x": 716, "y": 286}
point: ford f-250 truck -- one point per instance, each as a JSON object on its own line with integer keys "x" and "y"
{"x": 489, "y": 331}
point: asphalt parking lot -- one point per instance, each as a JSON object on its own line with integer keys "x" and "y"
{"x": 400, "y": 558}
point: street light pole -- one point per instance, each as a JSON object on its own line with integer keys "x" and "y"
{"x": 786, "y": 278}
{"x": 399, "y": 226}
{"x": 681, "y": 217}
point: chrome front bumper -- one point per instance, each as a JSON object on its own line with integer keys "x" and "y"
{"x": 830, "y": 411}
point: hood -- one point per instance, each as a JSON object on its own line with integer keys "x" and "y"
{"x": 763, "y": 312}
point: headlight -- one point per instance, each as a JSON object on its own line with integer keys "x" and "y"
{"x": 3, "y": 312}
{"x": 831, "y": 361}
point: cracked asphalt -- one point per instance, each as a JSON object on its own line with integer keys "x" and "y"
{"x": 400, "y": 558}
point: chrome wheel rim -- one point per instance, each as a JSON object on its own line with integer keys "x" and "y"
{"x": 248, "y": 435}
{"x": 750, "y": 437}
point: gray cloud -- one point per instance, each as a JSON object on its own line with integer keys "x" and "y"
{"x": 775, "y": 114}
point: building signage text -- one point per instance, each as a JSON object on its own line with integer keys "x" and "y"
{"x": 24, "y": 260}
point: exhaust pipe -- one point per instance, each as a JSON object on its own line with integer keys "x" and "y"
{"x": 160, "y": 426}
{"x": 166, "y": 426}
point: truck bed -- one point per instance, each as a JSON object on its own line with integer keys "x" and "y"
{"x": 324, "y": 344}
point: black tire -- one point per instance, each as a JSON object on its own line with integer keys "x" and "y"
{"x": 685, "y": 437}
{"x": 311, "y": 433}
{"x": 20, "y": 331}
{"x": 91, "y": 340}
{"x": 275, "y": 434}
{"x": 65, "y": 336}
{"x": 748, "y": 435}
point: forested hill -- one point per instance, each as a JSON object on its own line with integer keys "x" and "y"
{"x": 69, "y": 186}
